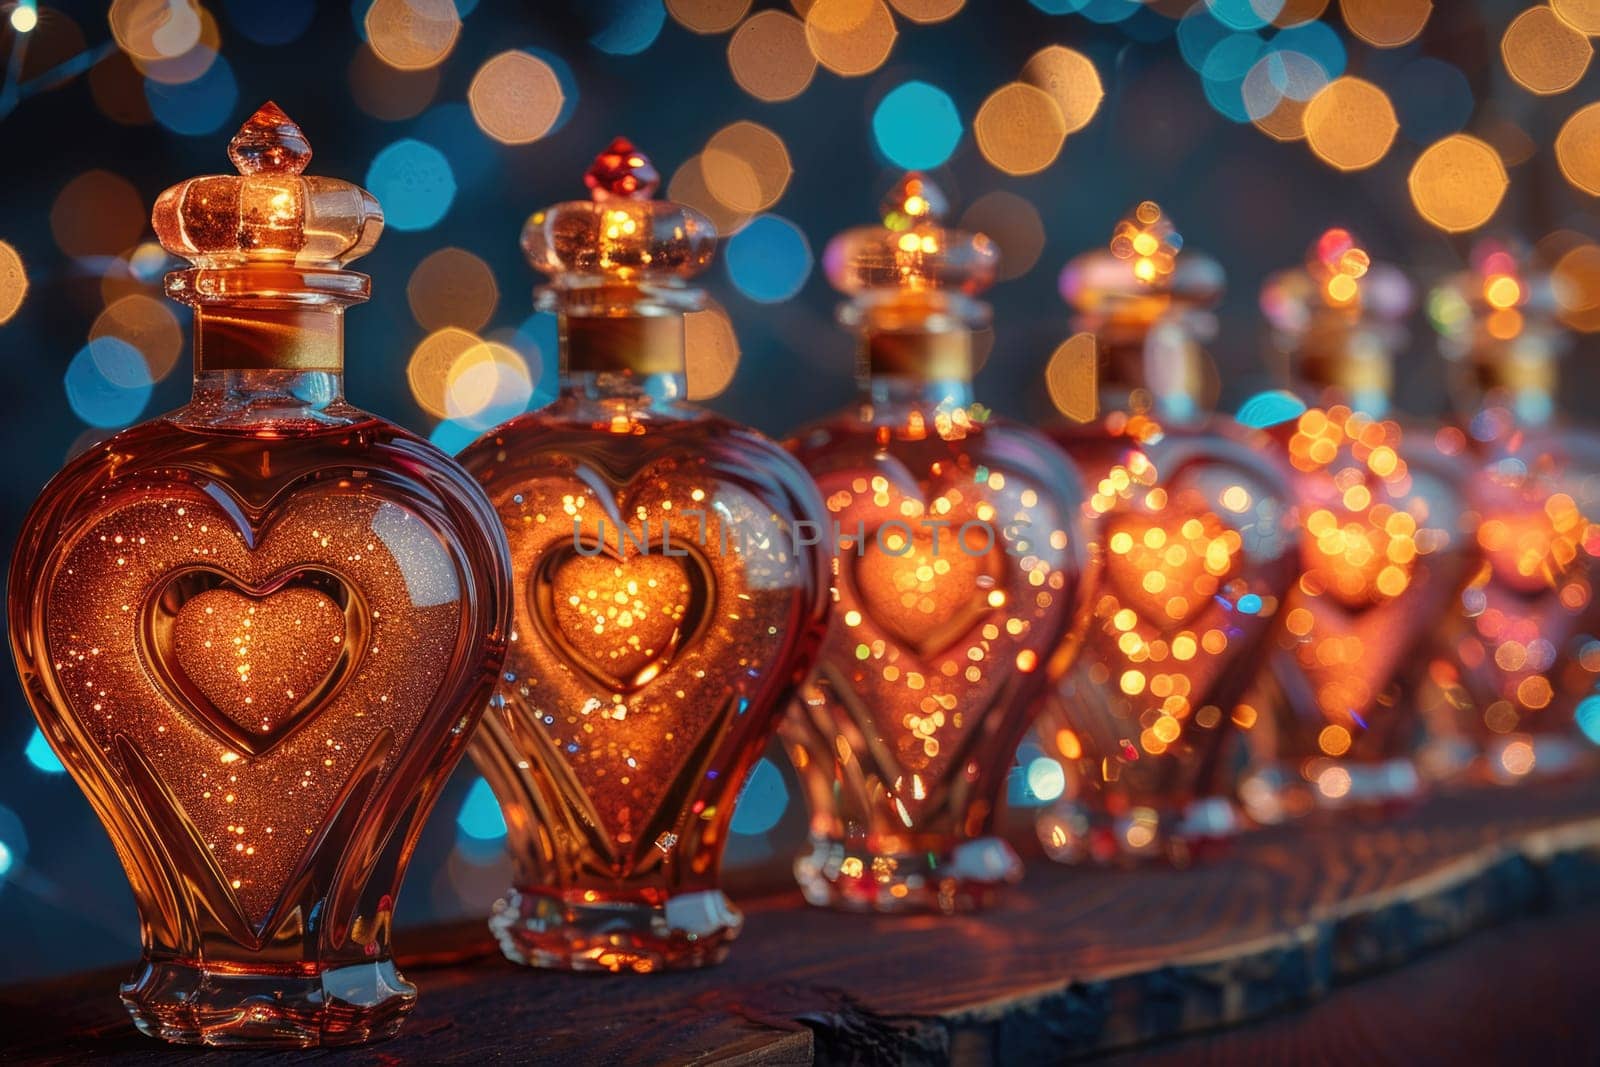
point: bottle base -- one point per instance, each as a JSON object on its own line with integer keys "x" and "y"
{"x": 1279, "y": 793}
{"x": 193, "y": 1005}
{"x": 545, "y": 930}
{"x": 966, "y": 876}
{"x": 1075, "y": 833}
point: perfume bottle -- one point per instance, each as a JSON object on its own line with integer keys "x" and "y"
{"x": 1199, "y": 550}
{"x": 1527, "y": 647}
{"x": 959, "y": 572}
{"x": 671, "y": 596}
{"x": 1386, "y": 546}
{"x": 258, "y": 631}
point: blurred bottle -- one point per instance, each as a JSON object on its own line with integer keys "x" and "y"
{"x": 1197, "y": 543}
{"x": 1386, "y": 545}
{"x": 1526, "y": 652}
{"x": 959, "y": 572}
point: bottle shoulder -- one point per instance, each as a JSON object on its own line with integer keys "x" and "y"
{"x": 261, "y": 471}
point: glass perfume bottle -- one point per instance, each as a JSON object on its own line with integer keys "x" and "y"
{"x": 1386, "y": 546}
{"x": 959, "y": 569}
{"x": 1199, "y": 549}
{"x": 1527, "y": 648}
{"x": 671, "y": 596}
{"x": 258, "y": 631}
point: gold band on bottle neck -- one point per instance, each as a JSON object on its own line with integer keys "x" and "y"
{"x": 939, "y": 355}
{"x": 229, "y": 337}
{"x": 641, "y": 344}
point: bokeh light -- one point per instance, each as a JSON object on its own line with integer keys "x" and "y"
{"x": 770, "y": 56}
{"x": 1271, "y": 408}
{"x": 486, "y": 385}
{"x": 1386, "y": 23}
{"x": 1576, "y": 280}
{"x": 1350, "y": 124}
{"x": 708, "y": 16}
{"x": 480, "y": 817}
{"x": 97, "y": 214}
{"x": 1582, "y": 15}
{"x": 631, "y": 26}
{"x": 1276, "y": 90}
{"x": 516, "y": 98}
{"x": 1457, "y": 183}
{"x": 762, "y": 801}
{"x": 711, "y": 351}
{"x": 385, "y": 92}
{"x": 1070, "y": 377}
{"x": 850, "y": 37}
{"x": 769, "y": 260}
{"x": 412, "y": 34}
{"x": 39, "y": 753}
{"x": 24, "y": 18}
{"x": 1020, "y": 129}
{"x": 1223, "y": 74}
{"x": 413, "y": 182}
{"x": 746, "y": 167}
{"x": 184, "y": 47}
{"x": 916, "y": 126}
{"x": 13, "y": 282}
{"x": 1071, "y": 80}
{"x": 1578, "y": 149}
{"x": 1013, "y": 224}
{"x": 108, "y": 383}
{"x": 452, "y": 287}
{"x": 928, "y": 10}
{"x": 147, "y": 325}
{"x": 688, "y": 186}
{"x": 428, "y": 371}
{"x": 153, "y": 30}
{"x": 198, "y": 106}
{"x": 1543, "y": 53}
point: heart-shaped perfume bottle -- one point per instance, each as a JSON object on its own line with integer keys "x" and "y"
{"x": 670, "y": 597}
{"x": 1197, "y": 547}
{"x": 1386, "y": 546}
{"x": 959, "y": 556}
{"x": 1525, "y": 654}
{"x": 259, "y": 630}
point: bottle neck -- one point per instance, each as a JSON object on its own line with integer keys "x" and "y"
{"x": 1348, "y": 363}
{"x": 1156, "y": 367}
{"x": 626, "y": 388}
{"x": 256, "y": 398}
{"x": 1522, "y": 378}
{"x": 609, "y": 348}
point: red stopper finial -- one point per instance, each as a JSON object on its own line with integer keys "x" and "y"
{"x": 622, "y": 172}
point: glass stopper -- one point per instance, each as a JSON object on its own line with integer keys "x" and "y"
{"x": 622, "y": 172}
{"x": 270, "y": 142}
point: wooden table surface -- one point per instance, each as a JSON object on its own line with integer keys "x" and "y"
{"x": 1076, "y": 962}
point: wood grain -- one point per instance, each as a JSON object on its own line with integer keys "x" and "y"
{"x": 1076, "y": 962}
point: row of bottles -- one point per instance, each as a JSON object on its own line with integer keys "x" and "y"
{"x": 262, "y": 630}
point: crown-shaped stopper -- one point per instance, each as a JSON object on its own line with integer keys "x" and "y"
{"x": 621, "y": 237}
{"x": 268, "y": 213}
{"x": 1339, "y": 284}
{"x": 1143, "y": 275}
{"x": 912, "y": 258}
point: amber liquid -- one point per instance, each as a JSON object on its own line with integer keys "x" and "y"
{"x": 1198, "y": 544}
{"x": 1386, "y": 546}
{"x": 646, "y": 670}
{"x": 938, "y": 651}
{"x": 260, "y": 652}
